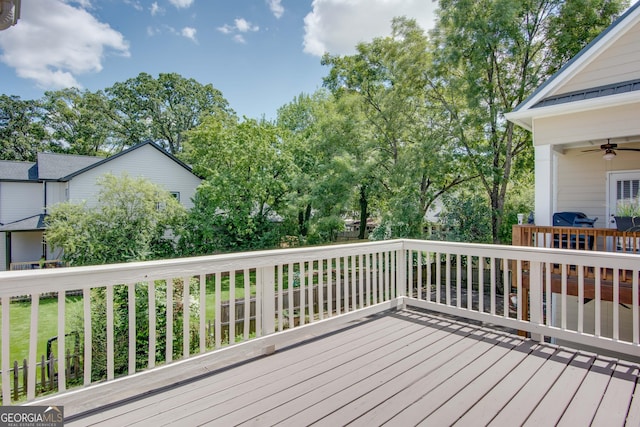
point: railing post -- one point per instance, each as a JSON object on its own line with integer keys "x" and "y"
{"x": 401, "y": 276}
{"x": 266, "y": 294}
{"x": 535, "y": 297}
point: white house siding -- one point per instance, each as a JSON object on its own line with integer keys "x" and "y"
{"x": 582, "y": 181}
{"x": 26, "y": 246}
{"x": 20, "y": 200}
{"x": 56, "y": 192}
{"x": 593, "y": 126}
{"x": 619, "y": 63}
{"x": 145, "y": 162}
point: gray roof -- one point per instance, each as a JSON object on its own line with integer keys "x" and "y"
{"x": 595, "y": 92}
{"x": 32, "y": 223}
{"x": 48, "y": 167}
{"x": 55, "y": 166}
{"x": 12, "y": 170}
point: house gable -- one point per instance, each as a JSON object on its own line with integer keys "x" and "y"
{"x": 146, "y": 161}
{"x": 605, "y": 73}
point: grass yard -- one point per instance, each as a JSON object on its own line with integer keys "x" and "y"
{"x": 20, "y": 315}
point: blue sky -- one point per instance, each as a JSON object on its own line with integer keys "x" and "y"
{"x": 259, "y": 53}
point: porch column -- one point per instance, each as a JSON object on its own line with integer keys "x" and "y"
{"x": 544, "y": 180}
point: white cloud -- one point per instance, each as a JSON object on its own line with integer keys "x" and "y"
{"x": 337, "y": 26}
{"x": 190, "y": 33}
{"x": 56, "y": 42}
{"x": 276, "y": 8}
{"x": 181, "y": 4}
{"x": 244, "y": 26}
{"x": 135, "y": 4}
{"x": 240, "y": 25}
{"x": 155, "y": 9}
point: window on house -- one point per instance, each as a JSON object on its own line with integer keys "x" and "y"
{"x": 627, "y": 189}
{"x": 176, "y": 195}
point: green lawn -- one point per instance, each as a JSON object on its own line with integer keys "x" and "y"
{"x": 20, "y": 316}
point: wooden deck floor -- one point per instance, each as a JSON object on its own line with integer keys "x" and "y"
{"x": 401, "y": 368}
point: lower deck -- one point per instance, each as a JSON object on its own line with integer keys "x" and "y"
{"x": 399, "y": 367}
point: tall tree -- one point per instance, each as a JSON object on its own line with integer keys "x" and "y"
{"x": 489, "y": 55}
{"x": 163, "y": 109}
{"x": 245, "y": 172}
{"x": 78, "y": 121}
{"x": 413, "y": 160}
{"x": 22, "y": 133}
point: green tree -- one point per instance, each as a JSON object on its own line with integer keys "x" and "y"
{"x": 245, "y": 171}
{"x": 78, "y": 121}
{"x": 489, "y": 55}
{"x": 134, "y": 220}
{"x": 22, "y": 132}
{"x": 404, "y": 149}
{"x": 162, "y": 109}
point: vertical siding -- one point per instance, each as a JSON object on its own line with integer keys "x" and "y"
{"x": 618, "y": 63}
{"x": 144, "y": 162}
{"x": 55, "y": 193}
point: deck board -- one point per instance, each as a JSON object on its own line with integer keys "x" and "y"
{"x": 404, "y": 368}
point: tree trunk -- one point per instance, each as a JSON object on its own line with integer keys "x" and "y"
{"x": 364, "y": 204}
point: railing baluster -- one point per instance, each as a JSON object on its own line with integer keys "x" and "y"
{"x": 131, "y": 300}
{"x": 88, "y": 336}
{"x": 492, "y": 278}
{"x": 616, "y": 303}
{"x": 635, "y": 308}
{"x": 202, "y": 315}
{"x": 330, "y": 283}
{"x": 303, "y": 299}
{"x": 110, "y": 327}
{"x": 519, "y": 290}
{"x": 361, "y": 281}
{"x": 580, "y": 298}
{"x": 354, "y": 283}
{"x": 218, "y": 310}
{"x": 33, "y": 344}
{"x": 419, "y": 280}
{"x": 246, "y": 304}
{"x": 321, "y": 289}
{"x": 186, "y": 316}
{"x": 290, "y": 299}
{"x": 280, "y": 298}
{"x": 151, "y": 291}
{"x": 232, "y": 307}
{"x": 459, "y": 279}
{"x": 310, "y": 289}
{"x": 481, "y": 284}
{"x": 563, "y": 293}
{"x": 470, "y": 285}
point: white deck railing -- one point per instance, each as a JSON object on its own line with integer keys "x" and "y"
{"x": 292, "y": 287}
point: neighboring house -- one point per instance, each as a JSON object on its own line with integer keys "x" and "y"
{"x": 591, "y": 101}
{"x": 28, "y": 189}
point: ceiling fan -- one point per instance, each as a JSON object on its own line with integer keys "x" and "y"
{"x": 609, "y": 150}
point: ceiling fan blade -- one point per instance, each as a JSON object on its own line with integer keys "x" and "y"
{"x": 628, "y": 149}
{"x": 594, "y": 149}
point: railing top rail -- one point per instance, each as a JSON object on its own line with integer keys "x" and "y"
{"x": 26, "y": 282}
{"x": 16, "y": 283}
{"x": 529, "y": 253}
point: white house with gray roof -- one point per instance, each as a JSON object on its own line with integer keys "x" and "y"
{"x": 28, "y": 189}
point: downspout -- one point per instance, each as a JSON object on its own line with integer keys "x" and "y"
{"x": 7, "y": 242}
{"x": 9, "y": 14}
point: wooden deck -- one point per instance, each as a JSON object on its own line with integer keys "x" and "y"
{"x": 400, "y": 367}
